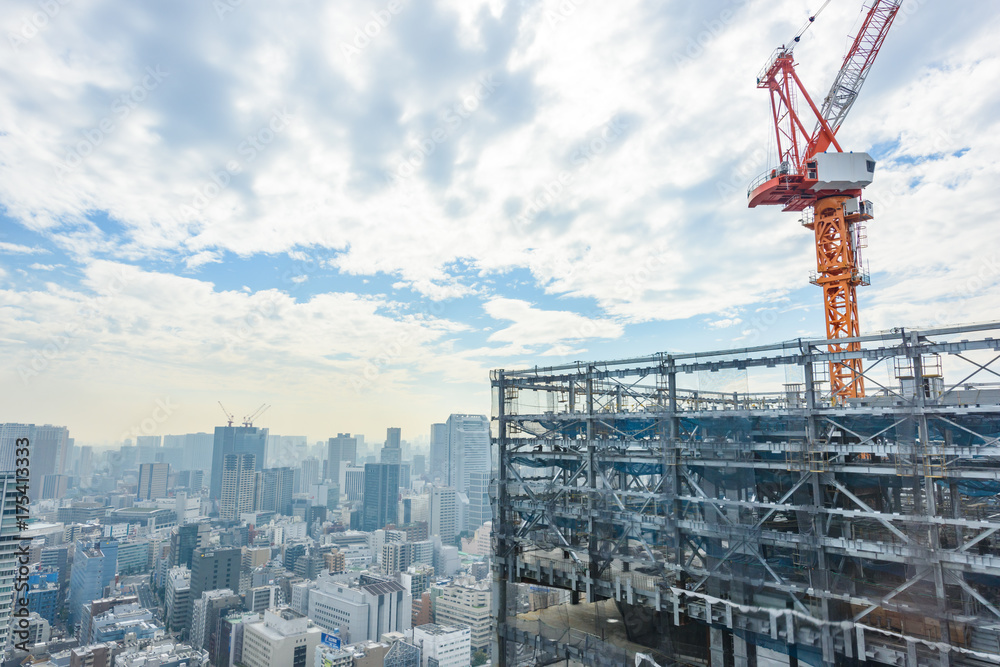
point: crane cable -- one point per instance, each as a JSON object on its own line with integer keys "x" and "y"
{"x": 805, "y": 27}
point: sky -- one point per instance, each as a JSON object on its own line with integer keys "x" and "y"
{"x": 353, "y": 211}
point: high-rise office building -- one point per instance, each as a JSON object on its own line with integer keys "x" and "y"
{"x": 235, "y": 440}
{"x": 341, "y": 451}
{"x": 419, "y": 465}
{"x": 468, "y": 448}
{"x": 238, "y": 486}
{"x": 311, "y": 469}
{"x": 354, "y": 483}
{"x": 392, "y": 452}
{"x": 213, "y": 568}
{"x": 381, "y": 496}
{"x": 443, "y": 510}
{"x": 9, "y": 538}
{"x": 94, "y": 567}
{"x": 54, "y": 486}
{"x": 274, "y": 493}
{"x": 439, "y": 453}
{"x": 49, "y": 451}
{"x": 479, "y": 500}
{"x": 153, "y": 481}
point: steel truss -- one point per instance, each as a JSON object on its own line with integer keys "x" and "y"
{"x": 792, "y": 522}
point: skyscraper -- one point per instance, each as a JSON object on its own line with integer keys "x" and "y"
{"x": 9, "y": 538}
{"x": 439, "y": 453}
{"x": 49, "y": 451}
{"x": 443, "y": 512}
{"x": 238, "y": 486}
{"x": 468, "y": 448}
{"x": 393, "y": 451}
{"x": 153, "y": 481}
{"x": 381, "y": 496}
{"x": 235, "y": 440}
{"x": 342, "y": 448}
{"x": 274, "y": 493}
{"x": 479, "y": 500}
{"x": 94, "y": 567}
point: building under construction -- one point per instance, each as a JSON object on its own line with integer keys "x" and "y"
{"x": 727, "y": 508}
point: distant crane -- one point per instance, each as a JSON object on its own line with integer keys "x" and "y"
{"x": 248, "y": 420}
{"x": 226, "y": 412}
{"x": 826, "y": 187}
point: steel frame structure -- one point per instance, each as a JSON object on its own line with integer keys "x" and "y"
{"x": 728, "y": 526}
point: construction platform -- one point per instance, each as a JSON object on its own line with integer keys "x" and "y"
{"x": 738, "y": 514}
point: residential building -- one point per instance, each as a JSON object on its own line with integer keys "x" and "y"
{"x": 239, "y": 482}
{"x": 235, "y": 440}
{"x": 178, "y": 598}
{"x": 443, "y": 510}
{"x": 396, "y": 557}
{"x": 10, "y": 535}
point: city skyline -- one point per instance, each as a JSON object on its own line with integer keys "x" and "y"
{"x": 576, "y": 206}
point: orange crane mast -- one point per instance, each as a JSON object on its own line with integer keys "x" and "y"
{"x": 827, "y": 186}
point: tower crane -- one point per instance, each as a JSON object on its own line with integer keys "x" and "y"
{"x": 825, "y": 185}
{"x": 226, "y": 412}
{"x": 248, "y": 420}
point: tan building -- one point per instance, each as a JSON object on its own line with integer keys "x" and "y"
{"x": 283, "y": 637}
{"x": 466, "y": 604}
{"x": 335, "y": 562}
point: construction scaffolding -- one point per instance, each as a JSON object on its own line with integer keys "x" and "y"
{"x": 736, "y": 513}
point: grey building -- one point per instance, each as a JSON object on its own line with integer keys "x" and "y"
{"x": 235, "y": 440}
{"x": 381, "y": 496}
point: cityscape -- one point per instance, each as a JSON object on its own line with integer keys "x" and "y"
{"x": 499, "y": 333}
{"x": 242, "y": 547}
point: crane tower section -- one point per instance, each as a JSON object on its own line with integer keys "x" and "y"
{"x": 826, "y": 185}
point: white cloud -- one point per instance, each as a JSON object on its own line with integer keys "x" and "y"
{"x": 44, "y": 267}
{"x": 18, "y": 249}
{"x": 545, "y": 327}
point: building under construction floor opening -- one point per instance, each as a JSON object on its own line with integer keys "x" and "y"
{"x": 723, "y": 509}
